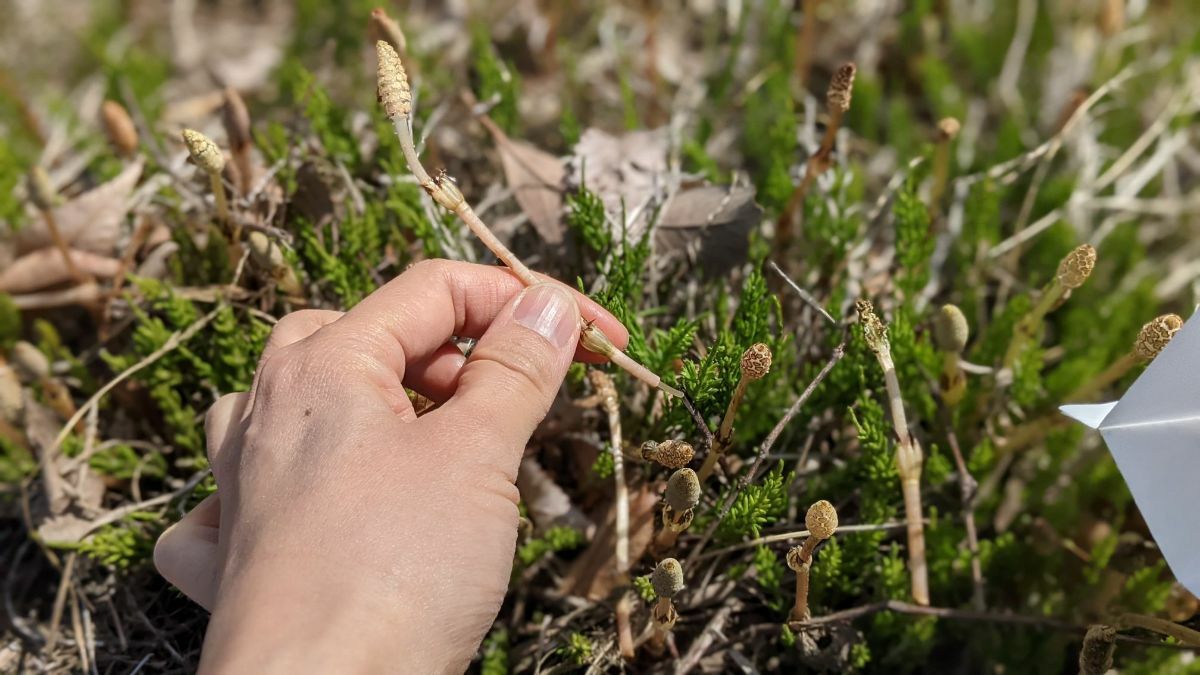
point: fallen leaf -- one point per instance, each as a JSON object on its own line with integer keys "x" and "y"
{"x": 89, "y": 222}
{"x": 710, "y": 226}
{"x": 594, "y": 573}
{"x": 548, "y": 505}
{"x": 627, "y": 172}
{"x": 45, "y": 268}
{"x": 86, "y": 487}
{"x": 536, "y": 180}
{"x": 83, "y": 294}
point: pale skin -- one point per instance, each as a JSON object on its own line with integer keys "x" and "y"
{"x": 346, "y": 533}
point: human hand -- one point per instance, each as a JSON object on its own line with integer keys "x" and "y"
{"x": 348, "y": 534}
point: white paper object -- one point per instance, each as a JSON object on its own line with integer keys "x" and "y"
{"x": 1153, "y": 433}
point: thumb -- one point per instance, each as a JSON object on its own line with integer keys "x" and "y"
{"x": 187, "y": 553}
{"x": 517, "y": 367}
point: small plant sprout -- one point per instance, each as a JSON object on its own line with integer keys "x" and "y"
{"x": 673, "y": 454}
{"x": 909, "y": 458}
{"x": 821, "y": 521}
{"x": 12, "y": 397}
{"x": 1073, "y": 270}
{"x": 1151, "y": 339}
{"x": 950, "y": 335}
{"x": 384, "y": 27}
{"x": 667, "y": 581}
{"x": 395, "y": 94}
{"x": 947, "y": 131}
{"x": 119, "y": 128}
{"x": 837, "y": 102}
{"x": 268, "y": 256}
{"x": 42, "y": 194}
{"x": 755, "y": 364}
{"x": 211, "y": 161}
{"x": 236, "y": 119}
{"x": 683, "y": 494}
{"x": 1096, "y": 656}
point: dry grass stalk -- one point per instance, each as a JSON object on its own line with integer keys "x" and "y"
{"x": 1186, "y": 636}
{"x": 909, "y": 458}
{"x": 837, "y": 102}
{"x": 384, "y": 27}
{"x": 395, "y": 94}
{"x": 608, "y": 398}
{"x": 805, "y": 40}
{"x": 755, "y": 364}
{"x": 236, "y": 119}
{"x": 947, "y": 131}
{"x": 42, "y": 194}
{"x": 821, "y": 521}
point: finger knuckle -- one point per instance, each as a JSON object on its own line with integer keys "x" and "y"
{"x": 515, "y": 372}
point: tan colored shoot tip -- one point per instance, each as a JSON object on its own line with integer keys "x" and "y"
{"x": 394, "y": 91}
{"x": 841, "y": 88}
{"x": 1155, "y": 336}
{"x": 1077, "y": 266}
{"x": 204, "y": 152}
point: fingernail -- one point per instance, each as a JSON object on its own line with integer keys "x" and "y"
{"x": 549, "y": 311}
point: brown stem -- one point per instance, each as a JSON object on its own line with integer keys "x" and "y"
{"x": 61, "y": 245}
{"x": 967, "y": 486}
{"x": 805, "y": 40}
{"x": 1028, "y": 326}
{"x": 800, "y": 612}
{"x": 1115, "y": 371}
{"x": 1185, "y": 635}
{"x": 917, "y": 567}
{"x": 625, "y": 626}
{"x": 662, "y": 620}
{"x": 665, "y": 540}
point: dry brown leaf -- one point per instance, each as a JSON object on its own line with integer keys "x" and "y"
{"x": 594, "y": 573}
{"x": 709, "y": 225}
{"x": 89, "y": 222}
{"x": 86, "y": 488}
{"x": 44, "y": 268}
{"x": 626, "y": 172}
{"x": 536, "y": 180}
{"x": 83, "y": 294}
{"x": 548, "y": 505}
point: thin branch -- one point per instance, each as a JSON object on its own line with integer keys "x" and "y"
{"x": 800, "y": 534}
{"x": 804, "y": 295}
{"x": 968, "y": 487}
{"x": 899, "y": 607}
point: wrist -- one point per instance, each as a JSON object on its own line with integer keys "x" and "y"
{"x": 286, "y": 619}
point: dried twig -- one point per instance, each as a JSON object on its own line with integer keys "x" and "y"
{"x": 1042, "y": 622}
